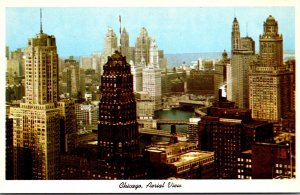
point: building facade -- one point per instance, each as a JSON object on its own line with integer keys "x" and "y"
{"x": 110, "y": 44}
{"x": 36, "y": 123}
{"x": 270, "y": 87}
{"x": 142, "y": 47}
{"x": 118, "y": 142}
{"x": 242, "y": 56}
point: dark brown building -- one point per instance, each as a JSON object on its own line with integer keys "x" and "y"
{"x": 273, "y": 160}
{"x": 9, "y": 149}
{"x": 118, "y": 143}
{"x": 228, "y": 131}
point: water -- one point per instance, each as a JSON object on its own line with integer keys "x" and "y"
{"x": 175, "y": 113}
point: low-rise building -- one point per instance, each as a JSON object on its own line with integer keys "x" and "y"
{"x": 180, "y": 160}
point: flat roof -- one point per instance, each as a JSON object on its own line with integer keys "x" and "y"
{"x": 191, "y": 156}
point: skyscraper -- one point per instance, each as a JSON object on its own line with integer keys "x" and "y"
{"x": 152, "y": 76}
{"x": 70, "y": 76}
{"x": 118, "y": 128}
{"x": 124, "y": 42}
{"x": 235, "y": 35}
{"x": 142, "y": 46}
{"x": 36, "y": 122}
{"x": 269, "y": 79}
{"x": 243, "y": 51}
{"x": 110, "y": 43}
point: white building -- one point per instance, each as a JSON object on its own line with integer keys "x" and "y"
{"x": 152, "y": 76}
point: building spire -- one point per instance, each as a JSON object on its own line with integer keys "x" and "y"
{"x": 120, "y": 21}
{"x": 41, "y": 21}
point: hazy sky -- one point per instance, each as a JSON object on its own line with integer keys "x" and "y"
{"x": 81, "y": 31}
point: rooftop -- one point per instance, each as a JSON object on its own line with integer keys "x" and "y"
{"x": 192, "y": 156}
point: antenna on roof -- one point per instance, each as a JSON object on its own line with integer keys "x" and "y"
{"x": 120, "y": 21}
{"x": 234, "y": 12}
{"x": 41, "y": 21}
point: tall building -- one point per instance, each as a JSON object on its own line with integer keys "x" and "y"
{"x": 270, "y": 81}
{"x": 15, "y": 66}
{"x": 142, "y": 46}
{"x": 137, "y": 72}
{"x": 86, "y": 62}
{"x": 220, "y": 76}
{"x": 235, "y": 35}
{"x": 118, "y": 128}
{"x": 68, "y": 125}
{"x": 242, "y": 53}
{"x": 152, "y": 76}
{"x": 124, "y": 42}
{"x": 96, "y": 62}
{"x": 36, "y": 122}
{"x": 70, "y": 76}
{"x": 110, "y": 43}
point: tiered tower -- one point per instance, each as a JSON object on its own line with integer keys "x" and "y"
{"x": 270, "y": 81}
{"x": 118, "y": 127}
{"x": 36, "y": 122}
{"x": 242, "y": 55}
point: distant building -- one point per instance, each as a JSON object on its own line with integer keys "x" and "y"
{"x": 110, "y": 44}
{"x": 137, "y": 72}
{"x": 152, "y": 76}
{"x": 180, "y": 160}
{"x": 144, "y": 105}
{"x": 201, "y": 82}
{"x": 142, "y": 47}
{"x": 70, "y": 76}
{"x": 86, "y": 62}
{"x": 220, "y": 76}
{"x": 96, "y": 62}
{"x": 68, "y": 125}
{"x": 15, "y": 66}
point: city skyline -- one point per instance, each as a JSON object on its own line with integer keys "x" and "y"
{"x": 180, "y": 24}
{"x": 104, "y": 134}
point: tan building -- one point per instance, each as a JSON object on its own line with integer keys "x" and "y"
{"x": 144, "y": 105}
{"x": 142, "y": 46}
{"x": 270, "y": 88}
{"x": 110, "y": 44}
{"x": 181, "y": 160}
{"x": 243, "y": 54}
{"x": 36, "y": 122}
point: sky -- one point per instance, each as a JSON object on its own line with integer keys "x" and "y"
{"x": 81, "y": 31}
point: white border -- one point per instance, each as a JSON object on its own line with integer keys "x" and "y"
{"x": 92, "y": 186}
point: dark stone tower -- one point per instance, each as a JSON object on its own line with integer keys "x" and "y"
{"x": 118, "y": 129}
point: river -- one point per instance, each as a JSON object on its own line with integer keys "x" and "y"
{"x": 175, "y": 113}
